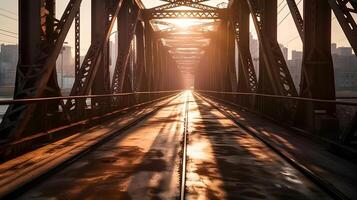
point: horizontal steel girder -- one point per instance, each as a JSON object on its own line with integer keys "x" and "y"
{"x": 177, "y": 35}
{"x": 148, "y": 14}
{"x": 188, "y": 3}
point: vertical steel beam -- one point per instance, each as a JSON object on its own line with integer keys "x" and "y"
{"x": 217, "y": 62}
{"x": 127, "y": 21}
{"x": 29, "y": 31}
{"x": 48, "y": 14}
{"x": 100, "y": 20}
{"x": 36, "y": 40}
{"x": 227, "y": 63}
{"x": 317, "y": 69}
{"x": 140, "y": 82}
{"x": 247, "y": 79}
{"x": 268, "y": 11}
{"x": 224, "y": 78}
{"x": 213, "y": 57}
{"x": 77, "y": 37}
{"x": 148, "y": 54}
{"x": 156, "y": 64}
{"x": 275, "y": 77}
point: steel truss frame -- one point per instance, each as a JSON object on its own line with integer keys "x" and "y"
{"x": 127, "y": 25}
{"x": 186, "y": 14}
{"x": 277, "y": 70}
{"x": 188, "y": 3}
{"x": 247, "y": 76}
{"x": 40, "y": 46}
{"x": 155, "y": 67}
{"x": 344, "y": 10}
{"x": 36, "y": 73}
{"x": 274, "y": 75}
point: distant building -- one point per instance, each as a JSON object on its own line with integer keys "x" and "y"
{"x": 295, "y": 71}
{"x": 344, "y": 61}
{"x": 8, "y": 64}
{"x": 285, "y": 51}
{"x": 333, "y": 48}
{"x": 254, "y": 50}
{"x": 66, "y": 61}
{"x": 114, "y": 49}
{"x": 345, "y": 72}
{"x": 65, "y": 67}
{"x": 296, "y": 55}
{"x": 344, "y": 51}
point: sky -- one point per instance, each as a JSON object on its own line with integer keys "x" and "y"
{"x": 287, "y": 33}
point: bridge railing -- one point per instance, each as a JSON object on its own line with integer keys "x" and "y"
{"x": 340, "y": 126}
{"x": 93, "y": 104}
{"x": 50, "y": 123}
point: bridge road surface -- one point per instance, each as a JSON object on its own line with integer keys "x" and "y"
{"x": 223, "y": 162}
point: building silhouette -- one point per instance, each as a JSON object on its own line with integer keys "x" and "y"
{"x": 65, "y": 67}
{"x": 8, "y": 63}
{"x": 345, "y": 63}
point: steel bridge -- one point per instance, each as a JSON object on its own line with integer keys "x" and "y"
{"x": 136, "y": 131}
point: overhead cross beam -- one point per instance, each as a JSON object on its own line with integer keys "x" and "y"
{"x": 187, "y": 3}
{"x": 184, "y": 14}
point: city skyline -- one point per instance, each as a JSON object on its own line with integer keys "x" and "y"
{"x": 290, "y": 39}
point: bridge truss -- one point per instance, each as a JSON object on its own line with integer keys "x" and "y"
{"x": 152, "y": 59}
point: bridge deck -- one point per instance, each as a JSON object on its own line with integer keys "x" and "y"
{"x": 145, "y": 161}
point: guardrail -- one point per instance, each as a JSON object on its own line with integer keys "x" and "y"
{"x": 52, "y": 120}
{"x": 87, "y": 105}
{"x": 331, "y": 119}
{"x": 49, "y": 99}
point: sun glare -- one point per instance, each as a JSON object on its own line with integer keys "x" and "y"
{"x": 185, "y": 23}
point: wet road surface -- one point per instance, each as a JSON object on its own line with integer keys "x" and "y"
{"x": 223, "y": 162}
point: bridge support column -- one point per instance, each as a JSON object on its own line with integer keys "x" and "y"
{"x": 268, "y": 10}
{"x": 36, "y": 27}
{"x": 228, "y": 77}
{"x": 274, "y": 75}
{"x": 100, "y": 19}
{"x": 210, "y": 85}
{"x": 127, "y": 21}
{"x": 269, "y": 23}
{"x": 156, "y": 64}
{"x": 247, "y": 80}
{"x": 141, "y": 78}
{"x": 149, "y": 37}
{"x": 317, "y": 69}
{"x": 217, "y": 64}
{"x": 244, "y": 46}
{"x": 231, "y": 50}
